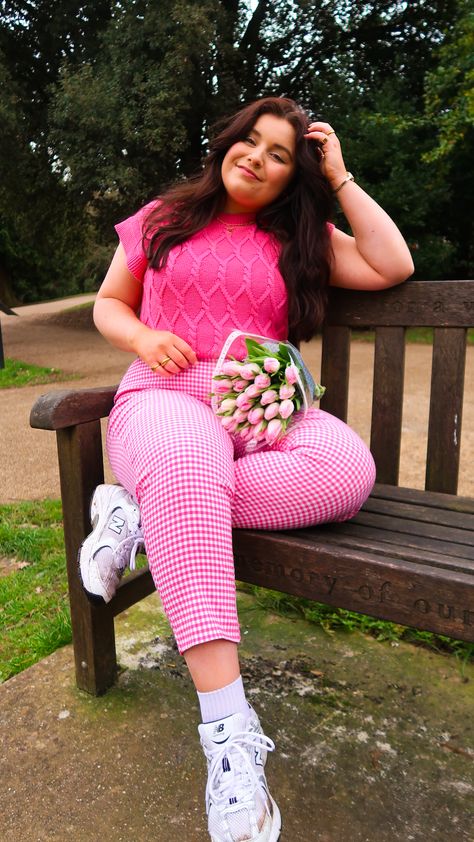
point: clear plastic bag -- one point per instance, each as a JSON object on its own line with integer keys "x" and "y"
{"x": 261, "y": 386}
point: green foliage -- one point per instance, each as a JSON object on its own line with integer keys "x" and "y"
{"x": 449, "y": 88}
{"x": 16, "y": 374}
{"x": 103, "y": 103}
{"x": 34, "y": 614}
{"x": 124, "y": 125}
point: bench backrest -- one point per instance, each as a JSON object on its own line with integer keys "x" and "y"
{"x": 448, "y": 307}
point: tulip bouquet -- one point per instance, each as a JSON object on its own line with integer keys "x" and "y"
{"x": 260, "y": 394}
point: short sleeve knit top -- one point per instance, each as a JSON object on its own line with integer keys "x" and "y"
{"x": 223, "y": 278}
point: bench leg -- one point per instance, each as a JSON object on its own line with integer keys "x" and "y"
{"x": 81, "y": 470}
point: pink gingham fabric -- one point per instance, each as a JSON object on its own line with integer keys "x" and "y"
{"x": 194, "y": 483}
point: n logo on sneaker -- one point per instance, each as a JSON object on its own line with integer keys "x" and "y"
{"x": 258, "y": 757}
{"x": 116, "y": 524}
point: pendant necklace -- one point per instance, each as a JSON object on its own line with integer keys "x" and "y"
{"x": 230, "y": 226}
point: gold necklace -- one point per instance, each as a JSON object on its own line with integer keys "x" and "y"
{"x": 230, "y": 226}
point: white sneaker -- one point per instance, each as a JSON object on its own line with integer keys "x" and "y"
{"x": 238, "y": 803}
{"x": 113, "y": 543}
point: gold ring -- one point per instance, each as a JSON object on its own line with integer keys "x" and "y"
{"x": 324, "y": 140}
{"x": 331, "y": 131}
{"x": 155, "y": 366}
{"x": 164, "y": 361}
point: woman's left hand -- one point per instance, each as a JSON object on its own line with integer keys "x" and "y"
{"x": 332, "y": 165}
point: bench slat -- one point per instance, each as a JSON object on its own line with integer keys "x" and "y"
{"x": 430, "y": 499}
{"x": 444, "y": 428}
{"x": 393, "y": 589}
{"x": 133, "y": 587}
{"x": 410, "y": 547}
{"x": 387, "y": 402}
{"x": 451, "y": 537}
{"x": 335, "y": 360}
{"x": 412, "y": 304}
{"x": 425, "y": 514}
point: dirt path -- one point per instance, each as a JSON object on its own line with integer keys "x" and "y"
{"x": 48, "y": 334}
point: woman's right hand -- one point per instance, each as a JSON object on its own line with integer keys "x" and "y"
{"x": 164, "y": 352}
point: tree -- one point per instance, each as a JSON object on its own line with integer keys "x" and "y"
{"x": 128, "y": 123}
{"x": 112, "y": 100}
{"x": 449, "y": 110}
{"x": 41, "y": 235}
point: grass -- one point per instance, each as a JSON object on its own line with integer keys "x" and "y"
{"x": 421, "y": 335}
{"x": 17, "y": 374}
{"x": 338, "y": 619}
{"x": 34, "y": 608}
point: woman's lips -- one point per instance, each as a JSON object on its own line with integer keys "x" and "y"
{"x": 248, "y": 172}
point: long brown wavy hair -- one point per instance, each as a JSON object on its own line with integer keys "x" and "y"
{"x": 297, "y": 217}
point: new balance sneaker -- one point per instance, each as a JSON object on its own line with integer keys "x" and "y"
{"x": 113, "y": 543}
{"x": 238, "y": 803}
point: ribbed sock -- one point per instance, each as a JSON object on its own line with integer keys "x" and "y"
{"x": 218, "y": 704}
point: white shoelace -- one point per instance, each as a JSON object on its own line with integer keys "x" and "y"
{"x": 237, "y": 781}
{"x": 129, "y": 547}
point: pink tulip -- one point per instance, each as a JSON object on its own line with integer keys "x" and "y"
{"x": 256, "y": 415}
{"x": 286, "y": 408}
{"x": 231, "y": 368}
{"x": 239, "y": 416}
{"x": 272, "y": 410}
{"x": 249, "y": 371}
{"x": 271, "y": 365}
{"x": 227, "y": 405}
{"x": 227, "y": 422}
{"x": 259, "y": 430}
{"x": 243, "y": 402}
{"x": 239, "y": 385}
{"x": 262, "y": 381}
{"x": 253, "y": 391}
{"x": 232, "y": 427}
{"x": 273, "y": 430}
{"x": 268, "y": 397}
{"x": 246, "y": 433}
{"x": 222, "y": 386}
{"x": 286, "y": 392}
{"x": 291, "y": 374}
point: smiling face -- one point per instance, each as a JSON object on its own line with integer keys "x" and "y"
{"x": 256, "y": 169}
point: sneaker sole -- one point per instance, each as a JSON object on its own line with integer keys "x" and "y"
{"x": 276, "y": 824}
{"x": 101, "y": 509}
{"x": 95, "y": 599}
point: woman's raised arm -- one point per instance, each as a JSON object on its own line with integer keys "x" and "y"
{"x": 376, "y": 256}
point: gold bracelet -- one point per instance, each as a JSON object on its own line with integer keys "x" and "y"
{"x": 349, "y": 177}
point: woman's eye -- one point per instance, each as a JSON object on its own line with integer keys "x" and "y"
{"x": 250, "y": 140}
{"x": 277, "y": 157}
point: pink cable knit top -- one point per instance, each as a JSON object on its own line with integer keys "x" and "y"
{"x": 222, "y": 279}
{"x": 217, "y": 281}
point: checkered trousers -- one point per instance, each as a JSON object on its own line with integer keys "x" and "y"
{"x": 194, "y": 483}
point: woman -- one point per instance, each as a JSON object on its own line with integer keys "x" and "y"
{"x": 246, "y": 244}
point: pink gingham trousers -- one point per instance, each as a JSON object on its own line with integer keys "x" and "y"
{"x": 193, "y": 484}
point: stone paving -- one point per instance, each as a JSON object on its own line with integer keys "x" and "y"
{"x": 374, "y": 740}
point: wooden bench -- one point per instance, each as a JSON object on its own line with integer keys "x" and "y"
{"x": 408, "y": 556}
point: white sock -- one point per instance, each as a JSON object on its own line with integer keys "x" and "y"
{"x": 226, "y": 701}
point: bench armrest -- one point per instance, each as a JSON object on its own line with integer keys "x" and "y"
{"x": 60, "y": 409}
